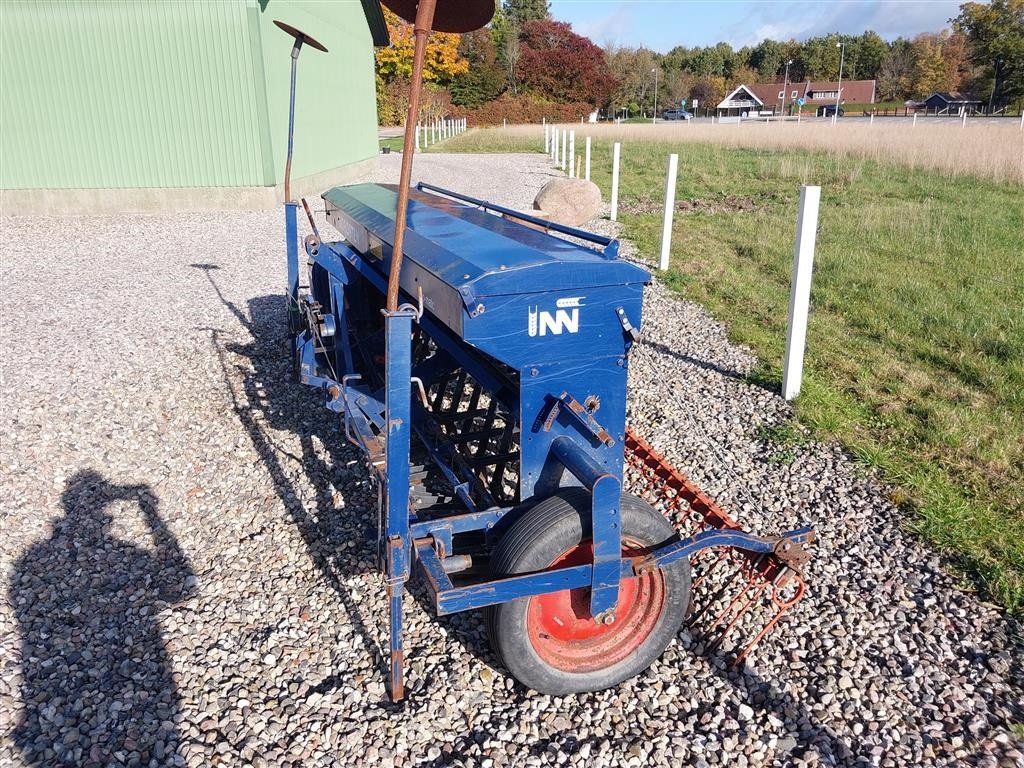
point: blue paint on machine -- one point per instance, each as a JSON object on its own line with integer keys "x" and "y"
{"x": 500, "y": 381}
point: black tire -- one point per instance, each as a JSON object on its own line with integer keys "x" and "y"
{"x": 534, "y": 543}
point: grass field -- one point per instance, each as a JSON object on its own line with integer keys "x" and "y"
{"x": 915, "y": 355}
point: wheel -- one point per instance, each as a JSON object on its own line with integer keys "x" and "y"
{"x": 550, "y": 642}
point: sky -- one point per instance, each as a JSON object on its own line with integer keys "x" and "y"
{"x": 663, "y": 24}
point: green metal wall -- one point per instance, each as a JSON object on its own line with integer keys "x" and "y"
{"x": 178, "y": 93}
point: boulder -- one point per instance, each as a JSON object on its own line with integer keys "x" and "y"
{"x": 569, "y": 201}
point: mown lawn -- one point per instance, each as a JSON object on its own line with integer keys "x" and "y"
{"x": 915, "y": 354}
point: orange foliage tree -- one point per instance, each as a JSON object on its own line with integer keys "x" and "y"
{"x": 442, "y": 61}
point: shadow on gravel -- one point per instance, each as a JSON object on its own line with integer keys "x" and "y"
{"x": 268, "y": 395}
{"x": 695, "y": 361}
{"x": 96, "y": 681}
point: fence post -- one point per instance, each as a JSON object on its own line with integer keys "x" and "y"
{"x": 670, "y": 205}
{"x": 565, "y": 147}
{"x": 417, "y": 137}
{"x": 586, "y": 164}
{"x": 616, "y": 150}
{"x": 554, "y": 146}
{"x": 547, "y": 138}
{"x": 963, "y": 122}
{"x": 572, "y": 154}
{"x": 871, "y": 120}
{"x": 914, "y": 125}
{"x": 800, "y": 291}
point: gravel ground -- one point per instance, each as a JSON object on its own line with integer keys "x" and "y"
{"x": 187, "y": 580}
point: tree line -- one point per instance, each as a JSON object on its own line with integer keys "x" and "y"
{"x": 525, "y": 62}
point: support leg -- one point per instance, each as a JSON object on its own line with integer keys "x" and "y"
{"x": 397, "y": 687}
{"x": 291, "y": 235}
{"x": 398, "y": 404}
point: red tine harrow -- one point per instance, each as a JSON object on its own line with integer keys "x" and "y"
{"x": 772, "y": 581}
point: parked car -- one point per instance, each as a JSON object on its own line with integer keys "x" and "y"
{"x": 677, "y": 114}
{"x": 828, "y": 110}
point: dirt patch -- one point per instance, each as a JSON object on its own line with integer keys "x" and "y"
{"x": 724, "y": 204}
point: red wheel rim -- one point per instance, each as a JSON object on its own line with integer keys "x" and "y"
{"x": 565, "y": 635}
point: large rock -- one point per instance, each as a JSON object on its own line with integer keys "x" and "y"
{"x": 569, "y": 201}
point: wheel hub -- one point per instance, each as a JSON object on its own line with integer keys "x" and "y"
{"x": 565, "y": 634}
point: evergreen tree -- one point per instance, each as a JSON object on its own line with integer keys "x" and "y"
{"x": 521, "y": 11}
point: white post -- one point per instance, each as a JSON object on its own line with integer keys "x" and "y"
{"x": 915, "y": 121}
{"x": 504, "y": 123}
{"x": 871, "y": 119}
{"x": 1022, "y": 119}
{"x": 565, "y": 148}
{"x": 572, "y": 154}
{"x": 554, "y": 146}
{"x": 547, "y": 138}
{"x": 433, "y": 131}
{"x": 963, "y": 122}
{"x": 800, "y": 291}
{"x": 670, "y": 204}
{"x": 417, "y": 137}
{"x": 615, "y": 180}
{"x": 586, "y": 162}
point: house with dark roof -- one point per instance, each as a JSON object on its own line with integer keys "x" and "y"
{"x": 951, "y": 103}
{"x": 779, "y": 97}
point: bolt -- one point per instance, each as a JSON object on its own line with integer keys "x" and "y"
{"x": 608, "y": 617}
{"x": 534, "y": 372}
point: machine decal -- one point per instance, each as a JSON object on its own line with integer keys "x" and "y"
{"x": 565, "y": 318}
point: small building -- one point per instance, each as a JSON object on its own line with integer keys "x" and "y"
{"x": 740, "y": 103}
{"x": 164, "y": 105}
{"x": 781, "y": 97}
{"x": 951, "y": 103}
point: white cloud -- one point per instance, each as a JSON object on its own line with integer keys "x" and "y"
{"x": 800, "y": 20}
{"x": 611, "y": 27}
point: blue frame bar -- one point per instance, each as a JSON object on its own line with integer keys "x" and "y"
{"x": 610, "y": 244}
{"x": 291, "y": 240}
{"x": 398, "y": 423}
{"x": 606, "y": 522}
{"x": 451, "y": 599}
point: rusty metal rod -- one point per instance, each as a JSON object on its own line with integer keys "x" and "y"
{"x": 421, "y": 29}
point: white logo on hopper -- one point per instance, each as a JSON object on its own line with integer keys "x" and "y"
{"x": 565, "y": 318}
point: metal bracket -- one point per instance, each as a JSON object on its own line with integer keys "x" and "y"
{"x": 627, "y": 326}
{"x": 579, "y": 415}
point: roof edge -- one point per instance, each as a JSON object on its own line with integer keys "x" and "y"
{"x": 375, "y": 20}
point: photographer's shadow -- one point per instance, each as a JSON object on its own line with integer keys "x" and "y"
{"x": 96, "y": 681}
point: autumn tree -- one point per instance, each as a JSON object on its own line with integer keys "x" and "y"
{"x": 708, "y": 91}
{"x": 995, "y": 43}
{"x": 929, "y": 66}
{"x": 896, "y": 75}
{"x": 633, "y": 69}
{"x": 557, "y": 63}
{"x": 442, "y": 61}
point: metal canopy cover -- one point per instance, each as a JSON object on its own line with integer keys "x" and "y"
{"x": 299, "y": 34}
{"x": 451, "y": 15}
{"x": 476, "y": 252}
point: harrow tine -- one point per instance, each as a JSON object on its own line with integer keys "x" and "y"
{"x": 762, "y": 576}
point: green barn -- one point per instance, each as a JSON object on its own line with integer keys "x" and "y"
{"x": 120, "y": 105}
